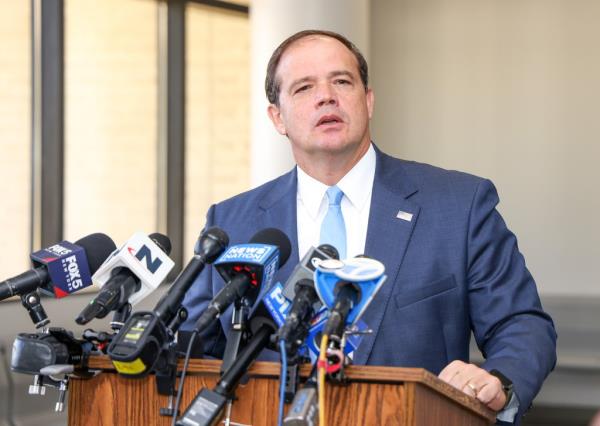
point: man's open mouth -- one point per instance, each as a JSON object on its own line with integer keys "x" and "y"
{"x": 329, "y": 119}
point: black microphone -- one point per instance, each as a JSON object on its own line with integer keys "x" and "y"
{"x": 211, "y": 244}
{"x": 347, "y": 295}
{"x": 305, "y": 299}
{"x": 246, "y": 267}
{"x": 208, "y": 404}
{"x": 122, "y": 284}
{"x": 62, "y": 268}
{"x": 146, "y": 336}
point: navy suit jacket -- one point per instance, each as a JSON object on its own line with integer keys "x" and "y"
{"x": 453, "y": 268}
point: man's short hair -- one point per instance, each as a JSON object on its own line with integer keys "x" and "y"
{"x": 273, "y": 85}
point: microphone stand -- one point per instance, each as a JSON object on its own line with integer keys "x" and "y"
{"x": 238, "y": 335}
{"x": 166, "y": 369}
{"x": 208, "y": 404}
{"x": 31, "y": 301}
{"x": 120, "y": 316}
{"x": 294, "y": 359}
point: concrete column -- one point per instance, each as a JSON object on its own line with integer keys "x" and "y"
{"x": 271, "y": 22}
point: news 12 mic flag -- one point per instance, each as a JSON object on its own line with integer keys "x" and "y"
{"x": 67, "y": 266}
{"x": 144, "y": 258}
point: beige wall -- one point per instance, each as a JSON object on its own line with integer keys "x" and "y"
{"x": 508, "y": 90}
{"x": 218, "y": 112}
{"x": 15, "y": 136}
{"x": 110, "y": 118}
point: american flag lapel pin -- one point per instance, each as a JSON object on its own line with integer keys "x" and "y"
{"x": 404, "y": 216}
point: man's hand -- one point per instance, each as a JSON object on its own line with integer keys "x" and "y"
{"x": 476, "y": 382}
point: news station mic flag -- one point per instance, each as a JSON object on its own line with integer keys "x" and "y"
{"x": 142, "y": 256}
{"x": 129, "y": 275}
{"x": 62, "y": 268}
{"x": 248, "y": 270}
{"x": 365, "y": 273}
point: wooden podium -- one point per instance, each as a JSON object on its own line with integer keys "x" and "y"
{"x": 374, "y": 396}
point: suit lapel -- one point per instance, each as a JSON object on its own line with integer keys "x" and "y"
{"x": 278, "y": 210}
{"x": 388, "y": 237}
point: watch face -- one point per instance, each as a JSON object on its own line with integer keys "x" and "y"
{"x": 506, "y": 382}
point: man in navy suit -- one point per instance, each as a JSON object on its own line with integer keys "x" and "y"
{"x": 453, "y": 266}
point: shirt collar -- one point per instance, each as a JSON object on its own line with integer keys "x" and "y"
{"x": 310, "y": 192}
{"x": 356, "y": 184}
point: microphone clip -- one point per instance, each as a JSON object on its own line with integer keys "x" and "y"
{"x": 238, "y": 336}
{"x": 32, "y": 302}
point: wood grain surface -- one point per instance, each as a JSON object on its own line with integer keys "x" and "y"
{"x": 374, "y": 396}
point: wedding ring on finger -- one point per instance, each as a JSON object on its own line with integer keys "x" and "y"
{"x": 473, "y": 388}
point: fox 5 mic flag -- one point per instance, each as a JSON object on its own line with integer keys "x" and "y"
{"x": 69, "y": 275}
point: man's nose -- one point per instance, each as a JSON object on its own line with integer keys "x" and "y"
{"x": 326, "y": 95}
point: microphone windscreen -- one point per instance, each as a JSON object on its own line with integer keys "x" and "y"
{"x": 218, "y": 234}
{"x": 274, "y": 237}
{"x": 211, "y": 243}
{"x": 97, "y": 248}
{"x": 329, "y": 250}
{"x": 162, "y": 241}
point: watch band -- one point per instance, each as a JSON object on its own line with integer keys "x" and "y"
{"x": 507, "y": 385}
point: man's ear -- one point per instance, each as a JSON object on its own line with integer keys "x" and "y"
{"x": 370, "y": 102}
{"x": 275, "y": 116}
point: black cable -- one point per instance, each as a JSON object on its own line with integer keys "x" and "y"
{"x": 183, "y": 373}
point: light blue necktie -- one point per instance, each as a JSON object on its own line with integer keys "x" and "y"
{"x": 333, "y": 228}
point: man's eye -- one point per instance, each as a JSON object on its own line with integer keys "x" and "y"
{"x": 302, "y": 88}
{"x": 342, "y": 81}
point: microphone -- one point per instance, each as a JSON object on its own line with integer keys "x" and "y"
{"x": 347, "y": 288}
{"x": 145, "y": 336}
{"x": 246, "y": 268}
{"x": 347, "y": 295}
{"x": 301, "y": 288}
{"x": 294, "y": 318}
{"x": 208, "y": 404}
{"x": 211, "y": 243}
{"x": 61, "y": 269}
{"x": 129, "y": 275}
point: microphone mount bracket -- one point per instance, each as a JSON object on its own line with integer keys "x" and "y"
{"x": 238, "y": 336}
{"x": 32, "y": 302}
{"x": 120, "y": 316}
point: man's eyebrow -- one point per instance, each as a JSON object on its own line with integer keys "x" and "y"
{"x": 338, "y": 73}
{"x": 332, "y": 74}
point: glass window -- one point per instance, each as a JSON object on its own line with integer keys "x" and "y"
{"x": 15, "y": 136}
{"x": 110, "y": 117}
{"x": 218, "y": 112}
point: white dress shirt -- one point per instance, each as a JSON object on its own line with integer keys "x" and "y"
{"x": 311, "y": 202}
